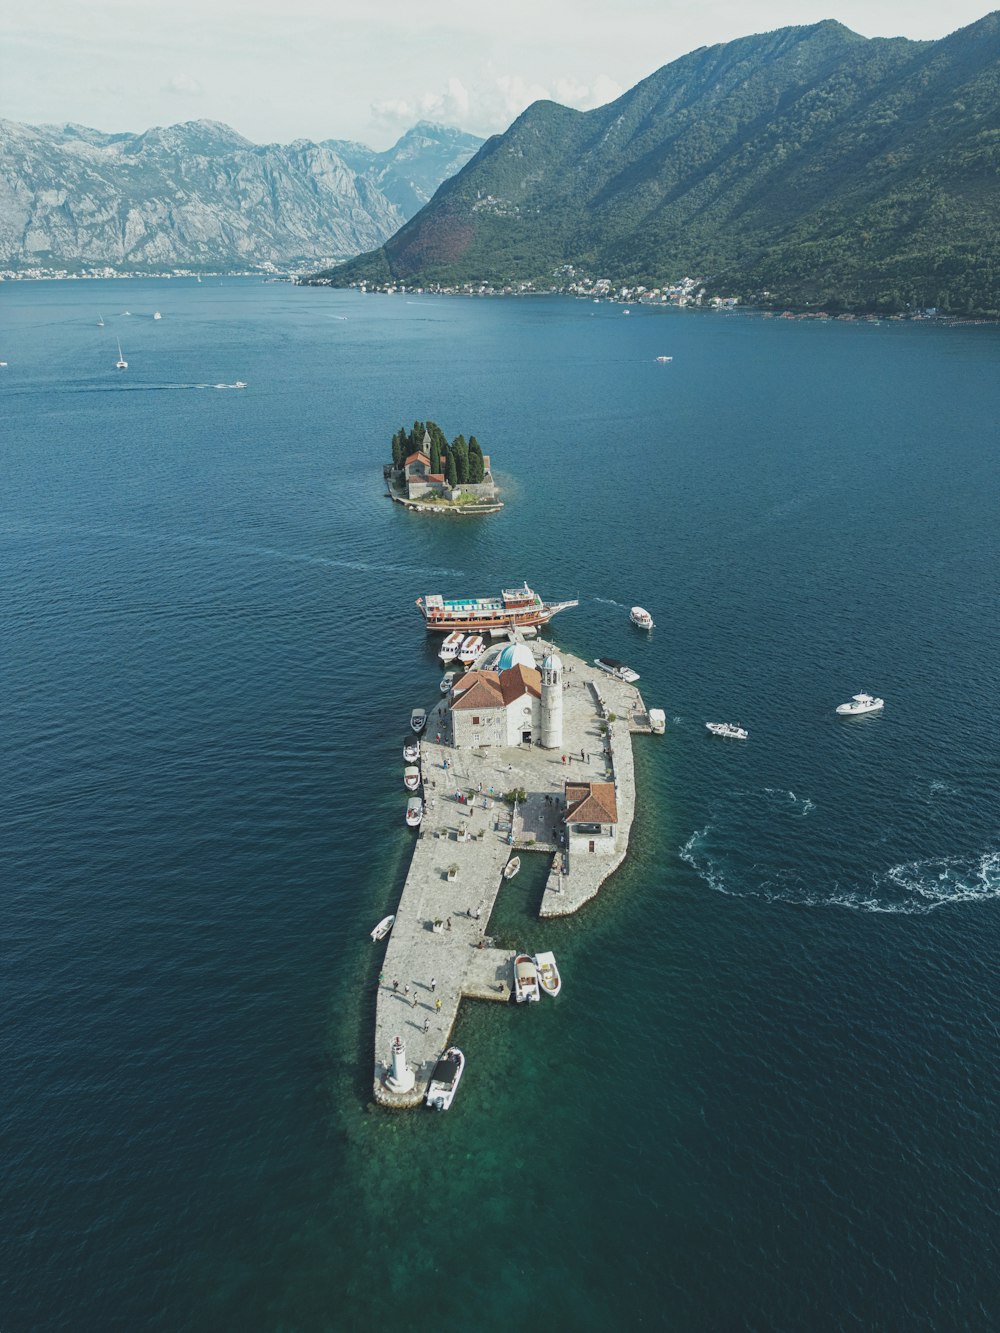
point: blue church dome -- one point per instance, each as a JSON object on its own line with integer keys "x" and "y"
{"x": 515, "y": 654}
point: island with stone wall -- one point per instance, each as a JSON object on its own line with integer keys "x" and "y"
{"x": 431, "y": 475}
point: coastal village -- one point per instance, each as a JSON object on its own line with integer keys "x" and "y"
{"x": 430, "y": 475}
{"x": 529, "y": 750}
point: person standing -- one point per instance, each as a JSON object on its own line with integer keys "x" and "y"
{"x": 434, "y": 983}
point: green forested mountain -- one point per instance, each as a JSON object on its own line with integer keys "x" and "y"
{"x": 811, "y": 163}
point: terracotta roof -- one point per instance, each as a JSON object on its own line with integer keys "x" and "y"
{"x": 519, "y": 680}
{"x": 591, "y": 803}
{"x": 435, "y": 476}
{"x": 413, "y": 458}
{"x": 477, "y": 689}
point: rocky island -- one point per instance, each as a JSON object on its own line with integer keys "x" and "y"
{"x": 429, "y": 474}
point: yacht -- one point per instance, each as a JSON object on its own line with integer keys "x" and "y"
{"x": 525, "y": 978}
{"x": 617, "y": 669}
{"x": 548, "y": 973}
{"x": 414, "y": 811}
{"x": 100, "y": 321}
{"x": 445, "y": 1079}
{"x": 418, "y": 720}
{"x": 641, "y": 618}
{"x": 411, "y": 777}
{"x": 451, "y": 645}
{"x": 861, "y": 703}
{"x": 472, "y": 647}
{"x": 121, "y": 363}
{"x": 728, "y": 729}
{"x": 411, "y": 749}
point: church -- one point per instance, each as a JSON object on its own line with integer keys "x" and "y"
{"x": 512, "y": 704}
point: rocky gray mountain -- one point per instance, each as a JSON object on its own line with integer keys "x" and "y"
{"x": 199, "y": 195}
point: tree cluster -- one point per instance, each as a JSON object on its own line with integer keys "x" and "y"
{"x": 461, "y": 462}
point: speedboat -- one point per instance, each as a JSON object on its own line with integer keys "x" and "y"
{"x": 157, "y": 315}
{"x": 512, "y": 867}
{"x": 121, "y": 363}
{"x": 525, "y": 978}
{"x": 414, "y": 811}
{"x": 663, "y": 359}
{"x": 383, "y": 928}
{"x": 728, "y": 729}
{"x": 861, "y": 703}
{"x": 451, "y": 645}
{"x": 445, "y": 1079}
{"x": 240, "y": 384}
{"x": 617, "y": 669}
{"x": 411, "y": 777}
{"x": 411, "y": 749}
{"x": 447, "y": 681}
{"x": 641, "y": 618}
{"x": 418, "y": 720}
{"x": 548, "y": 973}
{"x": 471, "y": 648}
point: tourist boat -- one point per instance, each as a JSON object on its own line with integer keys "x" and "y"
{"x": 451, "y": 645}
{"x": 157, "y": 315}
{"x": 411, "y": 777}
{"x": 414, "y": 811}
{"x": 525, "y": 978}
{"x": 727, "y": 729}
{"x": 512, "y": 867}
{"x": 121, "y": 363}
{"x": 445, "y": 1079}
{"x": 471, "y": 648}
{"x": 641, "y": 618}
{"x": 383, "y": 928}
{"x": 861, "y": 703}
{"x": 513, "y": 609}
{"x": 548, "y": 974}
{"x": 411, "y": 749}
{"x": 447, "y": 681}
{"x": 418, "y": 719}
{"x": 663, "y": 359}
{"x": 617, "y": 669}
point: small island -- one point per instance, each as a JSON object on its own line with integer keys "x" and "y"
{"x": 429, "y": 474}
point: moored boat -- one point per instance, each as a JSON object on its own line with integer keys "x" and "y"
{"x": 617, "y": 669}
{"x": 411, "y": 749}
{"x": 641, "y": 618}
{"x": 411, "y": 777}
{"x": 512, "y": 867}
{"x": 383, "y": 928}
{"x": 445, "y": 1079}
{"x": 657, "y": 721}
{"x": 414, "y": 811}
{"x": 449, "y": 649}
{"x": 525, "y": 979}
{"x": 548, "y": 974}
{"x": 860, "y": 703}
{"x": 728, "y": 729}
{"x": 513, "y": 609}
{"x": 418, "y": 719}
{"x": 471, "y": 648}
{"x": 447, "y": 681}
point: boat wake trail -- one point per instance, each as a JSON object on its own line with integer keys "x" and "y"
{"x": 610, "y": 601}
{"x": 800, "y": 806}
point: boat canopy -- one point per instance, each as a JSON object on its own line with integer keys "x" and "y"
{"x": 445, "y": 1071}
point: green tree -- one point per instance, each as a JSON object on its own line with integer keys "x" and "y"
{"x": 417, "y": 439}
{"x": 477, "y": 465}
{"x": 398, "y": 449}
{"x": 460, "y": 452}
{"x": 452, "y": 470}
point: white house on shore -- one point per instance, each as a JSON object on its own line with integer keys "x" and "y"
{"x": 591, "y": 817}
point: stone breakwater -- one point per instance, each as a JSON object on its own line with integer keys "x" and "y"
{"x": 439, "y": 950}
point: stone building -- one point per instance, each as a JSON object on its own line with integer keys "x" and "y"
{"x": 591, "y": 817}
{"x": 497, "y": 707}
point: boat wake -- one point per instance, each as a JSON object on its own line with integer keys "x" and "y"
{"x": 913, "y": 888}
{"x": 610, "y": 601}
{"x": 800, "y": 806}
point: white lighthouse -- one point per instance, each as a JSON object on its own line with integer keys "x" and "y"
{"x": 400, "y": 1078}
{"x": 552, "y": 702}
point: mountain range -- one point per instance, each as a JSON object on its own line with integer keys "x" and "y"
{"x": 199, "y": 195}
{"x": 807, "y": 166}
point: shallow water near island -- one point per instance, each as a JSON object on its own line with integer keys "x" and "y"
{"x": 765, "y": 1097}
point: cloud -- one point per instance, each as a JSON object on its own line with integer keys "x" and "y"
{"x": 185, "y": 84}
{"x": 494, "y": 102}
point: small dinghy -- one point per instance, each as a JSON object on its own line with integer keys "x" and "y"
{"x": 445, "y": 1079}
{"x": 525, "y": 978}
{"x": 447, "y": 681}
{"x": 418, "y": 720}
{"x": 548, "y": 974}
{"x": 383, "y": 928}
{"x": 411, "y": 777}
{"x": 728, "y": 729}
{"x": 512, "y": 867}
{"x": 414, "y": 811}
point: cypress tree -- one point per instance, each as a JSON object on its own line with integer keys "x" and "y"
{"x": 452, "y": 469}
{"x": 477, "y": 465}
{"x": 398, "y": 454}
{"x": 460, "y": 452}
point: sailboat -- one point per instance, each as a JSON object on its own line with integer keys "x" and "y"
{"x": 121, "y": 363}
{"x": 100, "y": 321}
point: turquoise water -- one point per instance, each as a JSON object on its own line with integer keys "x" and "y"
{"x": 766, "y": 1096}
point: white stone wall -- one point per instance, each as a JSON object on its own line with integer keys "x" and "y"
{"x": 604, "y": 842}
{"x": 491, "y": 728}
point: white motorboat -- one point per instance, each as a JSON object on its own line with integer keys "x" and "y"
{"x": 418, "y": 719}
{"x": 728, "y": 729}
{"x": 411, "y": 777}
{"x": 617, "y": 669}
{"x": 512, "y": 867}
{"x": 414, "y": 811}
{"x": 657, "y": 721}
{"x": 860, "y": 703}
{"x": 447, "y": 681}
{"x": 411, "y": 749}
{"x": 383, "y": 928}
{"x": 157, "y": 315}
{"x": 641, "y": 618}
{"x": 472, "y": 647}
{"x": 664, "y": 359}
{"x": 240, "y": 384}
{"x": 445, "y": 1079}
{"x": 525, "y": 979}
{"x": 548, "y": 974}
{"x": 449, "y": 649}
{"x": 121, "y": 363}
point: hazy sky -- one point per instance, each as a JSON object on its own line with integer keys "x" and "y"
{"x": 278, "y": 70}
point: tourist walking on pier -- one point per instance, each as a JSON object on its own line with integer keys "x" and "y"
{"x": 434, "y": 983}
{"x": 437, "y": 1005}
{"x": 414, "y": 1005}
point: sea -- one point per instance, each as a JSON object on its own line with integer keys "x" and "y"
{"x": 767, "y": 1096}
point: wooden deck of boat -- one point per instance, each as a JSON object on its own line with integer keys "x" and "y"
{"x": 433, "y": 970}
